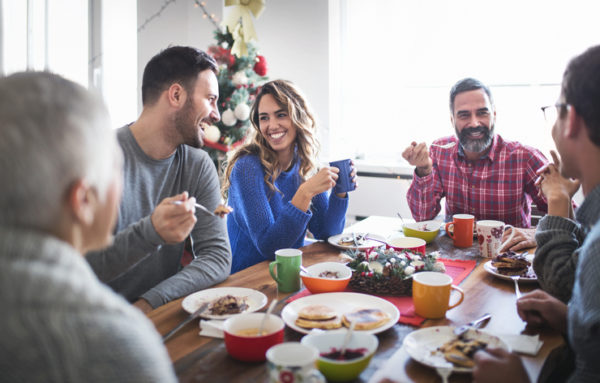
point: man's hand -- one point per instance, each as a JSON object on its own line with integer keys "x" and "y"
{"x": 418, "y": 155}
{"x": 173, "y": 222}
{"x": 523, "y": 239}
{"x": 557, "y": 189}
{"x": 498, "y": 365}
{"x": 143, "y": 305}
{"x": 539, "y": 308}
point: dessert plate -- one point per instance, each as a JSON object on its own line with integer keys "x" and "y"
{"x": 254, "y": 299}
{"x": 422, "y": 345}
{"x": 531, "y": 277}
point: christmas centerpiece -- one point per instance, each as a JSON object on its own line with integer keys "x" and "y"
{"x": 386, "y": 271}
{"x": 241, "y": 72}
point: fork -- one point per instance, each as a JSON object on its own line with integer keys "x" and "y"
{"x": 445, "y": 146}
{"x": 515, "y": 279}
{"x": 444, "y": 373}
{"x": 198, "y": 206}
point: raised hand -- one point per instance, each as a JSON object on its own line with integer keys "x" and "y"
{"x": 557, "y": 189}
{"x": 418, "y": 155}
{"x": 172, "y": 222}
{"x": 325, "y": 179}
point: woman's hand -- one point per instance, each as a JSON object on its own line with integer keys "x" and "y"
{"x": 324, "y": 180}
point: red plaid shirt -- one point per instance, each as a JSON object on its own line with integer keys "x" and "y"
{"x": 499, "y": 186}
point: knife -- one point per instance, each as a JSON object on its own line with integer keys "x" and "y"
{"x": 475, "y": 324}
{"x": 192, "y": 316}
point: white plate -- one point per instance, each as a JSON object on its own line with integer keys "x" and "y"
{"x": 334, "y": 240}
{"x": 422, "y": 345}
{"x": 342, "y": 303}
{"x": 255, "y": 299}
{"x": 492, "y": 270}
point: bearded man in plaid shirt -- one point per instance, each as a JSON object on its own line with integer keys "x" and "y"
{"x": 481, "y": 174}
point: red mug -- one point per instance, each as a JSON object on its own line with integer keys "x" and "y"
{"x": 462, "y": 230}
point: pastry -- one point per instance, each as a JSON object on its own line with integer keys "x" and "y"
{"x": 366, "y": 319}
{"x": 511, "y": 263}
{"x": 318, "y": 316}
{"x": 460, "y": 351}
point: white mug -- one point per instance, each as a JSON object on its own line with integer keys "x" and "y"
{"x": 293, "y": 362}
{"x": 489, "y": 237}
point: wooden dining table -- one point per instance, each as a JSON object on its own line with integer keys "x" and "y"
{"x": 204, "y": 359}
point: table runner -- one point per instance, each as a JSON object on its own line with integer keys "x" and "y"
{"x": 457, "y": 269}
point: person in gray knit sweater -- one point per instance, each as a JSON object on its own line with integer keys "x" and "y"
{"x": 164, "y": 165}
{"x": 61, "y": 184}
{"x": 571, "y": 249}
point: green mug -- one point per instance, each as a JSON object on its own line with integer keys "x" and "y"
{"x": 287, "y": 262}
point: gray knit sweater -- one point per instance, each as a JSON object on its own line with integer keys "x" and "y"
{"x": 559, "y": 242}
{"x": 140, "y": 264}
{"x": 60, "y": 324}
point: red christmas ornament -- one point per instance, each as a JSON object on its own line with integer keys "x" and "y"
{"x": 261, "y": 66}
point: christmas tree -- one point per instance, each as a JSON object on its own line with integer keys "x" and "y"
{"x": 239, "y": 78}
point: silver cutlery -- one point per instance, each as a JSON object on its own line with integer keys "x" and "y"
{"x": 192, "y": 316}
{"x": 444, "y": 373}
{"x": 445, "y": 146}
{"x": 515, "y": 279}
{"x": 477, "y": 323}
{"x": 198, "y": 206}
{"x": 354, "y": 239}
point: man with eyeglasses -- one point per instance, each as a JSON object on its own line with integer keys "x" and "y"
{"x": 567, "y": 246}
{"x": 477, "y": 171}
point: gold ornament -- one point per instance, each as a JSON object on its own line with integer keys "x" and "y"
{"x": 242, "y": 9}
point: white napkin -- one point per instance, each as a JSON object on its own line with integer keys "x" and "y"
{"x": 524, "y": 344}
{"x": 212, "y": 328}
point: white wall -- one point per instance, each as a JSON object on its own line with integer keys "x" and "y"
{"x": 293, "y": 37}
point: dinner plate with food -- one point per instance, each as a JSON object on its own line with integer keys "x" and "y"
{"x": 336, "y": 311}
{"x": 356, "y": 241}
{"x": 439, "y": 347}
{"x": 225, "y": 302}
{"x": 509, "y": 264}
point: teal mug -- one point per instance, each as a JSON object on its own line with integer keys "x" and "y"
{"x": 285, "y": 270}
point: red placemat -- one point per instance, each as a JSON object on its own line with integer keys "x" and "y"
{"x": 457, "y": 269}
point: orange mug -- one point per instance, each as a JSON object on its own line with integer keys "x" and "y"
{"x": 462, "y": 230}
{"x": 431, "y": 294}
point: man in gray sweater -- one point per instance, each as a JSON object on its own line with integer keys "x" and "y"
{"x": 61, "y": 184}
{"x": 165, "y": 174}
{"x": 576, "y": 133}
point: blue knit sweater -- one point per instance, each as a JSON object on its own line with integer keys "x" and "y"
{"x": 263, "y": 221}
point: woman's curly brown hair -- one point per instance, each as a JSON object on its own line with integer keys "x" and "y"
{"x": 307, "y": 146}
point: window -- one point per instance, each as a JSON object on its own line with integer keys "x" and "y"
{"x": 54, "y": 35}
{"x": 393, "y": 64}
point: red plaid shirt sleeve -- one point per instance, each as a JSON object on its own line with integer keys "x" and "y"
{"x": 498, "y": 186}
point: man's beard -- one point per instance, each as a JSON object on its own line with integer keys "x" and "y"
{"x": 475, "y": 145}
{"x": 186, "y": 126}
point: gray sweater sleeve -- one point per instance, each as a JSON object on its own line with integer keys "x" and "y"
{"x": 130, "y": 245}
{"x": 210, "y": 243}
{"x": 558, "y": 243}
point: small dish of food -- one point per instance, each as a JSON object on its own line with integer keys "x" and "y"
{"x": 426, "y": 230}
{"x": 326, "y": 277}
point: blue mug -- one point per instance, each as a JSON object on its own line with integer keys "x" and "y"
{"x": 344, "y": 182}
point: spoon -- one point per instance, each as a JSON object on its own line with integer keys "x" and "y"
{"x": 445, "y": 146}
{"x": 401, "y": 219}
{"x": 347, "y": 338}
{"x": 303, "y": 269}
{"x": 264, "y": 320}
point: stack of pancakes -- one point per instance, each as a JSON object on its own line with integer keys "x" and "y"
{"x": 511, "y": 263}
{"x": 318, "y": 316}
{"x": 324, "y": 317}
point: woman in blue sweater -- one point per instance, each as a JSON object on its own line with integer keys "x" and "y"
{"x": 273, "y": 183}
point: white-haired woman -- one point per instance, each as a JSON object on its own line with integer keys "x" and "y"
{"x": 61, "y": 186}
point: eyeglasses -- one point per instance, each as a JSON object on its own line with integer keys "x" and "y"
{"x": 551, "y": 111}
